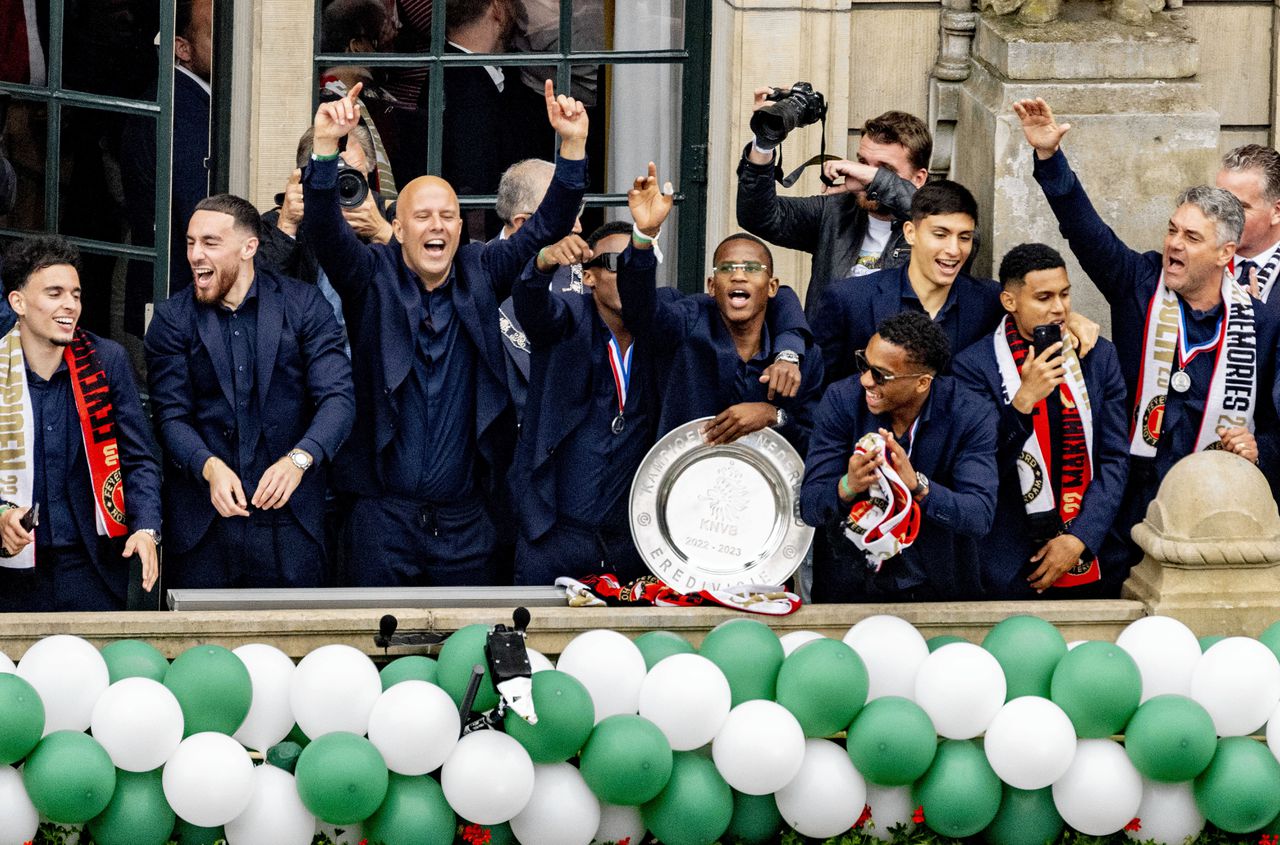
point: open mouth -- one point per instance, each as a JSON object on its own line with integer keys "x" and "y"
{"x": 947, "y": 266}
{"x": 203, "y": 275}
{"x": 434, "y": 247}
{"x": 65, "y": 322}
{"x": 739, "y": 297}
{"x": 1175, "y": 263}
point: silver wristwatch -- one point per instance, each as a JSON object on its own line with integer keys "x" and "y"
{"x": 152, "y": 533}
{"x": 788, "y": 355}
{"x": 781, "y": 419}
{"x": 300, "y": 459}
{"x": 922, "y": 487}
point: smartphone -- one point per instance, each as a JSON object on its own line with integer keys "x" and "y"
{"x": 1042, "y": 337}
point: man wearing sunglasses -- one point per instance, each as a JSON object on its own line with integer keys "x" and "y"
{"x": 1063, "y": 447}
{"x": 724, "y": 353}
{"x": 939, "y": 438}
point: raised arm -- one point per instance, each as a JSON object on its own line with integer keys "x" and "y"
{"x": 543, "y": 315}
{"x": 642, "y": 311}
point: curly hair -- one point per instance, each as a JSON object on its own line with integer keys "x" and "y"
{"x": 31, "y": 255}
{"x": 919, "y": 336}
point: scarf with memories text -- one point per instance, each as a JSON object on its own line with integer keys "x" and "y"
{"x": 888, "y": 519}
{"x": 97, "y": 428}
{"x": 1233, "y": 390}
{"x": 1056, "y": 464}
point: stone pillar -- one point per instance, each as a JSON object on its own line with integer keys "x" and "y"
{"x": 1142, "y": 130}
{"x": 1211, "y": 540}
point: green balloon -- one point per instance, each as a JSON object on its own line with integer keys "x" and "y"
{"x": 566, "y": 716}
{"x": 656, "y": 645}
{"x": 1208, "y": 640}
{"x": 627, "y": 760}
{"x": 756, "y": 820}
{"x": 892, "y": 741}
{"x": 134, "y": 659}
{"x": 138, "y": 813}
{"x": 696, "y": 806}
{"x": 1240, "y": 791}
{"x": 463, "y": 650}
{"x": 185, "y": 833}
{"x": 69, "y": 777}
{"x": 935, "y": 643}
{"x": 414, "y": 667}
{"x": 297, "y": 737}
{"x": 21, "y": 718}
{"x": 342, "y": 778}
{"x": 1098, "y": 686}
{"x": 1026, "y": 817}
{"x": 1028, "y": 649}
{"x": 213, "y": 688}
{"x": 960, "y": 793}
{"x": 414, "y": 811}
{"x": 749, "y": 654}
{"x": 1170, "y": 739}
{"x": 824, "y": 685}
{"x": 284, "y": 755}
{"x": 1271, "y": 638}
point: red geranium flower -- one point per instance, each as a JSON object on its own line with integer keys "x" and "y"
{"x": 476, "y": 835}
{"x": 1135, "y": 824}
{"x": 1269, "y": 839}
{"x": 864, "y": 818}
{"x": 918, "y": 815}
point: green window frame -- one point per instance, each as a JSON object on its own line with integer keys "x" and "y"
{"x": 694, "y": 58}
{"x": 55, "y": 98}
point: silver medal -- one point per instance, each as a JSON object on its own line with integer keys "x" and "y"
{"x": 618, "y": 424}
{"x": 1180, "y": 381}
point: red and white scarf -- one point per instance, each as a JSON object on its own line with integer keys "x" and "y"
{"x": 1233, "y": 389}
{"x": 887, "y": 521}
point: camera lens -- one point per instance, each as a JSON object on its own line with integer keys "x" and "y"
{"x": 352, "y": 187}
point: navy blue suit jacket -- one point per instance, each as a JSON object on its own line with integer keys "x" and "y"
{"x": 954, "y": 446}
{"x": 139, "y": 463}
{"x": 1128, "y": 279}
{"x": 1008, "y": 548}
{"x": 303, "y": 386}
{"x": 381, "y": 298}
{"x": 699, "y": 360}
{"x": 852, "y": 308}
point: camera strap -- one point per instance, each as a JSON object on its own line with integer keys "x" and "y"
{"x": 794, "y": 176}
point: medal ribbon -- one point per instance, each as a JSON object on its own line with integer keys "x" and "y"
{"x": 620, "y": 364}
{"x": 1186, "y": 352}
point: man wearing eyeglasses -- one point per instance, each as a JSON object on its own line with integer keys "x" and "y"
{"x": 731, "y": 354}
{"x": 1063, "y": 448}
{"x": 939, "y": 438}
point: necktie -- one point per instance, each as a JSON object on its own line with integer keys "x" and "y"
{"x": 1245, "y": 266}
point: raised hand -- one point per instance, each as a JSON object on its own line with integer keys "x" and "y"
{"x": 567, "y": 116}
{"x": 847, "y": 175}
{"x": 571, "y": 249}
{"x": 650, "y": 205}
{"x": 335, "y": 119}
{"x": 1040, "y": 377}
{"x": 1041, "y": 130}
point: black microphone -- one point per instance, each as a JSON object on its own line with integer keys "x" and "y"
{"x": 521, "y": 617}
{"x": 387, "y": 626}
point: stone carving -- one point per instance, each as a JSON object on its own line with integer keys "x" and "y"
{"x": 1041, "y": 12}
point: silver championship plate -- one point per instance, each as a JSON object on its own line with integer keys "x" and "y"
{"x": 712, "y": 517}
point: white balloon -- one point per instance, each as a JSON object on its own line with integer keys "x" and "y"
{"x": 1101, "y": 791}
{"x": 488, "y": 778}
{"x": 415, "y": 726}
{"x": 1166, "y": 652}
{"x": 19, "y": 819}
{"x": 890, "y": 807}
{"x": 561, "y": 811}
{"x": 538, "y": 661}
{"x": 69, "y": 674}
{"x": 333, "y": 689}
{"x": 6, "y": 665}
{"x": 827, "y": 795}
{"x": 618, "y": 823}
{"x": 1273, "y": 733}
{"x": 351, "y": 833}
{"x": 760, "y": 747}
{"x": 795, "y": 639}
{"x": 892, "y": 650}
{"x": 139, "y": 722}
{"x": 962, "y": 687}
{"x": 688, "y": 698}
{"x": 275, "y": 815}
{"x": 1238, "y": 681}
{"x": 611, "y": 668}
{"x": 1030, "y": 743}
{"x": 209, "y": 780}
{"x": 1168, "y": 814}
{"x": 270, "y": 715}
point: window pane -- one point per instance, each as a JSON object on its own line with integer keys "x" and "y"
{"x": 109, "y": 47}
{"x": 24, "y": 46}
{"x": 639, "y": 136}
{"x": 647, "y": 25}
{"x": 22, "y": 140}
{"x": 398, "y": 128}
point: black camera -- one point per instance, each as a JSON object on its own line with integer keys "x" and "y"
{"x": 353, "y": 187}
{"x": 789, "y": 108}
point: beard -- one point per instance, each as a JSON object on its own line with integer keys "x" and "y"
{"x": 224, "y": 280}
{"x": 869, "y": 206}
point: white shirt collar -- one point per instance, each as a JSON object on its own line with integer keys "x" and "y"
{"x": 495, "y": 73}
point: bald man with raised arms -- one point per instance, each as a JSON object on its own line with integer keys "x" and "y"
{"x": 435, "y": 426}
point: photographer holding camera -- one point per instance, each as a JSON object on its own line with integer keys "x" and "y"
{"x": 855, "y": 226}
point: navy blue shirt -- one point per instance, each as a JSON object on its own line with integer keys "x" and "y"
{"x": 58, "y": 440}
{"x": 604, "y": 462}
{"x": 239, "y": 329}
{"x": 431, "y": 456}
{"x": 746, "y": 380}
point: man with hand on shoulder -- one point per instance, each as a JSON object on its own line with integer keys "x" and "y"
{"x": 252, "y": 397}
{"x": 78, "y": 450}
{"x": 1063, "y": 440}
{"x": 938, "y": 439}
